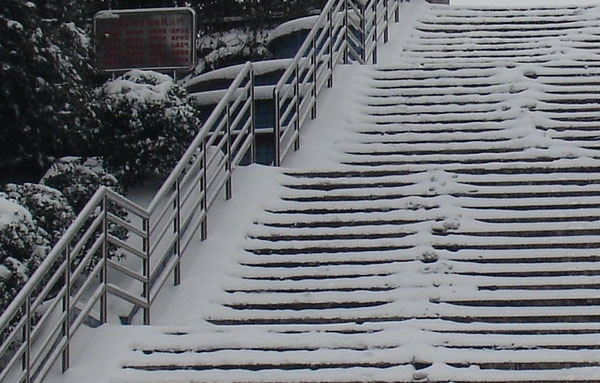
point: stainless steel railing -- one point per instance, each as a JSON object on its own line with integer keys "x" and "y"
{"x": 73, "y": 284}
{"x": 347, "y": 30}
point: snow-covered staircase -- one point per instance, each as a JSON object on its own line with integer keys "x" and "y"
{"x": 458, "y": 240}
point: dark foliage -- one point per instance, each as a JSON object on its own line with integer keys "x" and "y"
{"x": 142, "y": 125}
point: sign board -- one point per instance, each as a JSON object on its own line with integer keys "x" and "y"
{"x": 156, "y": 38}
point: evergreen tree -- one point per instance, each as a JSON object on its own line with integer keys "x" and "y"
{"x": 45, "y": 59}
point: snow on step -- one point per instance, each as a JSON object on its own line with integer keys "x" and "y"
{"x": 458, "y": 240}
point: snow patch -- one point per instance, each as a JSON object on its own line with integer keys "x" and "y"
{"x": 293, "y": 26}
{"x": 12, "y": 213}
{"x": 140, "y": 85}
{"x": 13, "y": 24}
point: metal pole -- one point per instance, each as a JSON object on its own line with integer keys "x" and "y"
{"x": 386, "y": 33}
{"x": 330, "y": 50}
{"x": 67, "y": 308}
{"x": 363, "y": 31}
{"x": 252, "y": 117}
{"x": 375, "y": 34}
{"x": 346, "y": 31}
{"x": 297, "y": 118}
{"x": 315, "y": 65}
{"x": 104, "y": 277}
{"x": 277, "y": 129}
{"x": 177, "y": 271}
{"x": 228, "y": 167}
{"x": 204, "y": 191}
{"x": 146, "y": 248}
{"x": 27, "y": 340}
{"x": 146, "y": 283}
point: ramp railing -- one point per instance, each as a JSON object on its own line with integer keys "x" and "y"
{"x": 95, "y": 269}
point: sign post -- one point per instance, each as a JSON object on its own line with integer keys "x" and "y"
{"x": 154, "y": 38}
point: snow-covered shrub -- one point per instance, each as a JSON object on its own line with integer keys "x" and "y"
{"x": 235, "y": 46}
{"x": 143, "y": 124}
{"x": 20, "y": 237}
{"x": 22, "y": 247}
{"x": 13, "y": 276}
{"x": 51, "y": 210}
{"x": 78, "y": 179}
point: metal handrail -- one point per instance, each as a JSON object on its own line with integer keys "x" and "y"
{"x": 361, "y": 24}
{"x": 73, "y": 284}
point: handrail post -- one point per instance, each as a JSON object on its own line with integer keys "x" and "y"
{"x": 146, "y": 287}
{"x": 177, "y": 223}
{"x": 386, "y": 33}
{"x": 104, "y": 277}
{"x": 277, "y": 128}
{"x": 313, "y": 92}
{"x": 252, "y": 115}
{"x": 363, "y": 33}
{"x": 146, "y": 249}
{"x": 146, "y": 290}
{"x": 27, "y": 340}
{"x": 228, "y": 167}
{"x": 330, "y": 50}
{"x": 346, "y": 31}
{"x": 67, "y": 308}
{"x": 297, "y": 109}
{"x": 204, "y": 191}
{"x": 375, "y": 31}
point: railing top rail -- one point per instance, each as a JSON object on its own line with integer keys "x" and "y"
{"x": 189, "y": 153}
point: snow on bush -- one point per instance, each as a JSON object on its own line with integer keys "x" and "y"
{"x": 22, "y": 247}
{"x": 78, "y": 179}
{"x": 48, "y": 206}
{"x": 235, "y": 46}
{"x": 20, "y": 237}
{"x": 143, "y": 124}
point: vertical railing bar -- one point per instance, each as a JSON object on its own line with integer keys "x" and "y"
{"x": 297, "y": 109}
{"x": 67, "y": 307}
{"x": 177, "y": 271}
{"x": 346, "y": 30}
{"x": 27, "y": 340}
{"x": 330, "y": 47}
{"x": 277, "y": 129}
{"x": 363, "y": 37}
{"x": 252, "y": 116}
{"x": 147, "y": 288}
{"x": 386, "y": 20}
{"x": 147, "y": 292}
{"x": 313, "y": 92}
{"x": 204, "y": 191}
{"x": 147, "y": 249}
{"x": 374, "y": 26}
{"x": 104, "y": 278}
{"x": 228, "y": 167}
